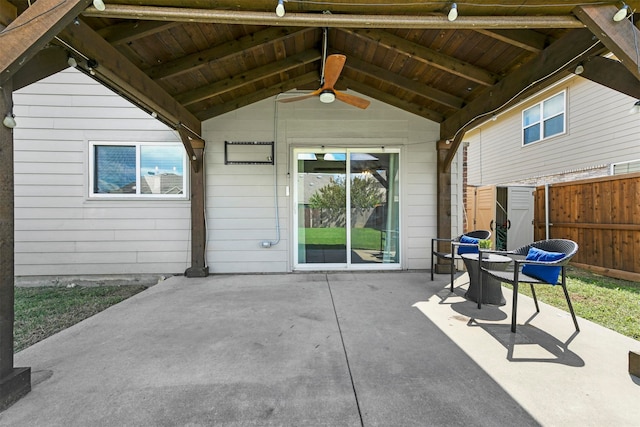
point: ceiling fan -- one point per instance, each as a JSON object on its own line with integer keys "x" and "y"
{"x": 331, "y": 72}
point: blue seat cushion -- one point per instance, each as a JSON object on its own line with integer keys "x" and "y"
{"x": 546, "y": 273}
{"x": 468, "y": 249}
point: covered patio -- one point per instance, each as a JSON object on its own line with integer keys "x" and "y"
{"x": 186, "y": 62}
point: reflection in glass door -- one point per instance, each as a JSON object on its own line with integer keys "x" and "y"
{"x": 345, "y": 220}
{"x": 321, "y": 201}
{"x": 374, "y": 208}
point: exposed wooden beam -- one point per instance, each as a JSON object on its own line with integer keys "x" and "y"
{"x": 545, "y": 69}
{"x": 621, "y": 38}
{"x": 251, "y": 76}
{"x": 185, "y": 136}
{"x": 117, "y": 72}
{"x": 243, "y": 101}
{"x": 126, "y": 32}
{"x": 32, "y": 30}
{"x": 190, "y": 143}
{"x": 210, "y": 16}
{"x": 524, "y": 39}
{"x": 427, "y": 56}
{"x": 404, "y": 83}
{"x": 223, "y": 51}
{"x": 45, "y": 63}
{"x": 612, "y": 74}
{"x": 8, "y": 13}
{"x": 392, "y": 100}
{"x": 451, "y": 152}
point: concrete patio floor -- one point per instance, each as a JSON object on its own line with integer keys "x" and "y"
{"x": 335, "y": 349}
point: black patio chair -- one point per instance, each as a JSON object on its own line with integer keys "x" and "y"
{"x": 536, "y": 272}
{"x": 453, "y": 255}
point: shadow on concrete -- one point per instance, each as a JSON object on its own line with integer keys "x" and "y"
{"x": 531, "y": 344}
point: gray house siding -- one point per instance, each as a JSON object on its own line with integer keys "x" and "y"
{"x": 60, "y": 230}
{"x": 599, "y": 131}
{"x": 240, "y": 198}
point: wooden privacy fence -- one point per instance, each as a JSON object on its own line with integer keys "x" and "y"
{"x": 602, "y": 215}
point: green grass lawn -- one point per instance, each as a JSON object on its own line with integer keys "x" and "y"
{"x": 361, "y": 238}
{"x": 44, "y": 311}
{"x": 612, "y": 303}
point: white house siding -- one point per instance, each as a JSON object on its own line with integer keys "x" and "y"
{"x": 59, "y": 231}
{"x": 240, "y": 198}
{"x": 599, "y": 128}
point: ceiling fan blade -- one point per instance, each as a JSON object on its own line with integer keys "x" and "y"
{"x": 332, "y": 70}
{"x": 356, "y": 101}
{"x": 301, "y": 97}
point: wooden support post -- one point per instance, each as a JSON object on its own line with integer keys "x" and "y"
{"x": 14, "y": 382}
{"x": 199, "y": 266}
{"x": 444, "y": 204}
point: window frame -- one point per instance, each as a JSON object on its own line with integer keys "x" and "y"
{"x": 628, "y": 163}
{"x": 138, "y": 196}
{"x": 542, "y": 120}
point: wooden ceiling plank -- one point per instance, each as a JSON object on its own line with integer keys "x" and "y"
{"x": 252, "y": 76}
{"x": 126, "y": 32}
{"x": 32, "y": 30}
{"x": 427, "y": 56}
{"x": 612, "y": 74}
{"x": 544, "y": 70}
{"x": 8, "y": 13}
{"x": 117, "y": 72}
{"x": 524, "y": 39}
{"x": 243, "y": 101}
{"x": 619, "y": 37}
{"x": 392, "y": 100}
{"x": 404, "y": 83}
{"x": 224, "y": 51}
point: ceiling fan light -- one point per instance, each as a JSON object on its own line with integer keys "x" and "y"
{"x": 622, "y": 13}
{"x": 327, "y": 97}
{"x": 453, "y": 12}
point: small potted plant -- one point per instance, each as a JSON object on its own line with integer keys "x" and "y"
{"x": 484, "y": 244}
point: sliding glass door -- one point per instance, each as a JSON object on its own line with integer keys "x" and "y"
{"x": 347, "y": 209}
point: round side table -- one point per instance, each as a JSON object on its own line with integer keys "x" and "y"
{"x": 492, "y": 289}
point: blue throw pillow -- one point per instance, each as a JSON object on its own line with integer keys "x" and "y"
{"x": 468, "y": 249}
{"x": 543, "y": 272}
